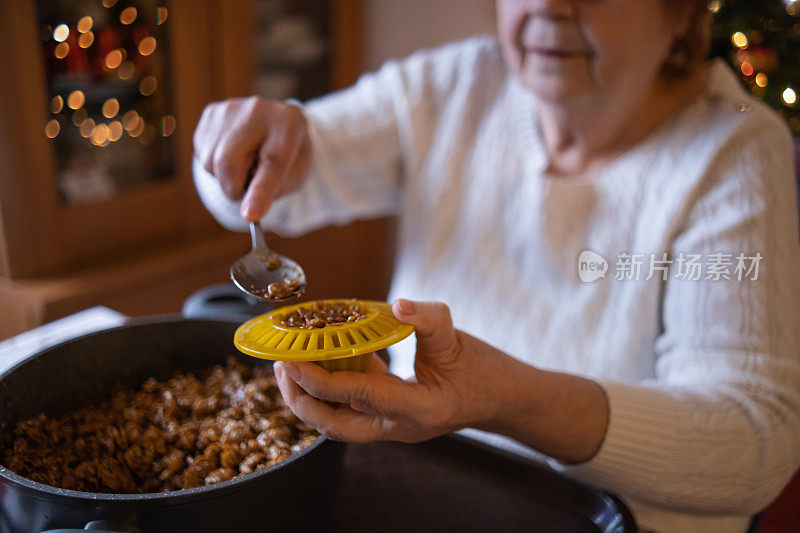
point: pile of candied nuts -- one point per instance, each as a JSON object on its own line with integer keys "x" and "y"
{"x": 177, "y": 434}
{"x": 321, "y": 314}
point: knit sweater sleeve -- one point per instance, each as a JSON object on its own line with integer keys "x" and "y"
{"x": 362, "y": 143}
{"x": 355, "y": 163}
{"x": 718, "y": 429}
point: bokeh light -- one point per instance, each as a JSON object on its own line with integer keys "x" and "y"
{"x": 167, "y": 125}
{"x": 114, "y": 58}
{"x": 100, "y": 135}
{"x": 130, "y": 119}
{"x": 148, "y": 85}
{"x": 85, "y": 24}
{"x": 110, "y": 108}
{"x": 52, "y": 128}
{"x": 86, "y": 39}
{"x": 56, "y": 104}
{"x": 147, "y": 46}
{"x": 76, "y": 99}
{"x": 61, "y": 32}
{"x": 115, "y": 130}
{"x": 137, "y": 129}
{"x": 87, "y": 127}
{"x": 61, "y": 51}
{"x": 128, "y": 15}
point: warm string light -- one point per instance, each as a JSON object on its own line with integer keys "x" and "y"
{"x": 114, "y": 59}
{"x": 61, "y": 32}
{"x": 137, "y": 129}
{"x": 130, "y": 120}
{"x": 61, "y": 51}
{"x": 76, "y": 99}
{"x": 56, "y": 105}
{"x": 147, "y": 46}
{"x": 115, "y": 130}
{"x": 85, "y": 24}
{"x": 167, "y": 125}
{"x": 111, "y": 108}
{"x": 86, "y": 128}
{"x": 52, "y": 128}
{"x": 128, "y": 15}
{"x": 101, "y": 134}
{"x": 86, "y": 39}
{"x": 739, "y": 40}
{"x": 756, "y": 39}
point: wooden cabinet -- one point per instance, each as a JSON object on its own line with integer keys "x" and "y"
{"x": 41, "y": 234}
{"x": 143, "y": 248}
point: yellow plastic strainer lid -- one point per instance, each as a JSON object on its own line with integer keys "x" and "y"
{"x": 265, "y": 337}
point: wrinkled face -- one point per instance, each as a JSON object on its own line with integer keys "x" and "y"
{"x": 582, "y": 49}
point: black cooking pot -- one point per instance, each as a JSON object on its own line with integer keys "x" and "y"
{"x": 295, "y": 494}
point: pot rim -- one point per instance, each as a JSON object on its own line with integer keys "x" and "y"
{"x": 130, "y": 322}
{"x": 174, "y": 496}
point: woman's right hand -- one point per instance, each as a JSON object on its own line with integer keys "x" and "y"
{"x": 269, "y": 139}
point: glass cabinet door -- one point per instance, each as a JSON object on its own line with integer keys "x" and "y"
{"x": 292, "y": 48}
{"x": 109, "y": 95}
{"x": 102, "y": 97}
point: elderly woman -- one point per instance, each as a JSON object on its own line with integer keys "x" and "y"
{"x": 667, "y": 368}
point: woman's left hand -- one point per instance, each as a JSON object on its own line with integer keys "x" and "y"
{"x": 452, "y": 387}
{"x": 460, "y": 382}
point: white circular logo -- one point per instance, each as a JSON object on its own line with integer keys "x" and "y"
{"x": 591, "y": 266}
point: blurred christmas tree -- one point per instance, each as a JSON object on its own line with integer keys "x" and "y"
{"x": 761, "y": 41}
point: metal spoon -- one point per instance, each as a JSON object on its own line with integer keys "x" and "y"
{"x": 262, "y": 268}
{"x": 266, "y": 275}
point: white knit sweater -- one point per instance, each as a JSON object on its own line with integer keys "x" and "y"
{"x": 703, "y": 376}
